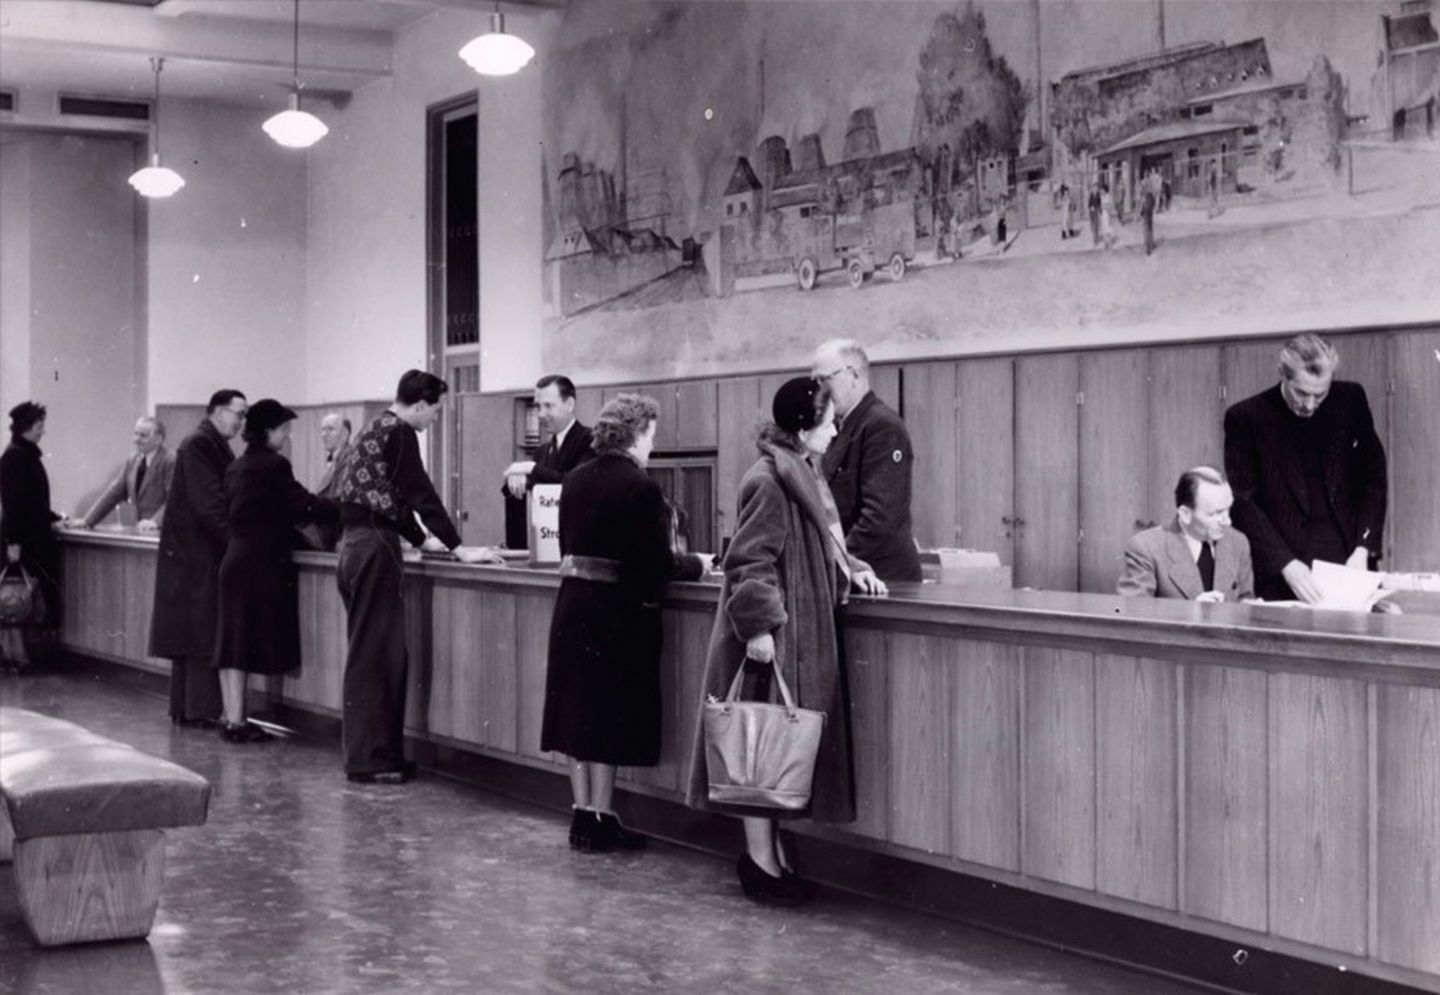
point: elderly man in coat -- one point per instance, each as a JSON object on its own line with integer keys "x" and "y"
{"x": 192, "y": 544}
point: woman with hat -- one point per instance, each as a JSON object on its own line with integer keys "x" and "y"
{"x": 27, "y": 534}
{"x": 259, "y": 627}
{"x": 786, "y": 573}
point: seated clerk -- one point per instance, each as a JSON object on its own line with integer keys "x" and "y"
{"x": 1197, "y": 556}
{"x": 567, "y": 448}
{"x": 144, "y": 480}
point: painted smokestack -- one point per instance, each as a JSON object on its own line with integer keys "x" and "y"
{"x": 810, "y": 154}
{"x": 774, "y": 159}
{"x": 862, "y": 138}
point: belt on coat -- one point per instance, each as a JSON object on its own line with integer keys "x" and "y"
{"x": 596, "y": 568}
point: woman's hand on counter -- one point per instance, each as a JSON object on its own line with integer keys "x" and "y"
{"x": 867, "y": 582}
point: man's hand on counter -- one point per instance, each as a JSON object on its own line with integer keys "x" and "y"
{"x": 146, "y": 525}
{"x": 1297, "y": 575}
{"x": 477, "y": 554}
{"x": 517, "y": 477}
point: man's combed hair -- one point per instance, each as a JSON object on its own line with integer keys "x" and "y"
{"x": 1189, "y": 484}
{"x": 848, "y": 351}
{"x": 564, "y": 383}
{"x": 1310, "y": 353}
{"x": 623, "y": 420}
{"x": 417, "y": 385}
{"x": 156, "y": 423}
{"x": 221, "y": 399}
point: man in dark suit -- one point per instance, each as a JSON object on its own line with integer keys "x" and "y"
{"x": 1308, "y": 472}
{"x": 868, "y": 465}
{"x": 567, "y": 447}
{"x": 187, "y": 572}
{"x": 144, "y": 480}
{"x": 1197, "y": 556}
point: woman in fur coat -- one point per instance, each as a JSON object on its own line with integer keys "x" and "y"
{"x": 786, "y": 573}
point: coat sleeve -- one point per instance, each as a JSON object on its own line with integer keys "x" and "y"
{"x": 166, "y": 469}
{"x": 1246, "y": 589}
{"x": 756, "y": 601}
{"x": 417, "y": 491}
{"x": 300, "y": 504}
{"x": 205, "y": 480}
{"x": 106, "y": 502}
{"x": 1374, "y": 484}
{"x": 1242, "y": 467}
{"x": 884, "y": 485}
{"x": 1137, "y": 579}
{"x": 655, "y": 563}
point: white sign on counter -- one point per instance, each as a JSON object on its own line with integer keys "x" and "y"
{"x": 542, "y": 514}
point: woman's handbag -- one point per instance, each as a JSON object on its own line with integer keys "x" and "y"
{"x": 21, "y": 602}
{"x": 761, "y": 754}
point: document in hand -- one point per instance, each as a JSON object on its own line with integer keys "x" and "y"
{"x": 1346, "y": 588}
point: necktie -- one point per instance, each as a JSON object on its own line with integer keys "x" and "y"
{"x": 140, "y": 476}
{"x": 1206, "y": 563}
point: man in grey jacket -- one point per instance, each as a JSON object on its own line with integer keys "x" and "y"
{"x": 144, "y": 480}
{"x": 1197, "y": 556}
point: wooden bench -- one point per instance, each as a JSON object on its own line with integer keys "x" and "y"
{"x": 83, "y": 818}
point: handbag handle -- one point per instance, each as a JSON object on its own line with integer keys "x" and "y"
{"x": 734, "y": 695}
{"x": 17, "y": 565}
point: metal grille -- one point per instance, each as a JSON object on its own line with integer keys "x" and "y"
{"x": 462, "y": 260}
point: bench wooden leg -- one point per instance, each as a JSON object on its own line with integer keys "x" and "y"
{"x": 96, "y": 886}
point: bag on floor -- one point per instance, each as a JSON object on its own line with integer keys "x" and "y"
{"x": 761, "y": 754}
{"x": 21, "y": 602}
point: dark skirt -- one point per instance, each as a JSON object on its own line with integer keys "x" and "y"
{"x": 259, "y": 617}
{"x": 602, "y": 685}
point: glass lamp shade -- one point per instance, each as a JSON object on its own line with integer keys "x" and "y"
{"x": 497, "y": 53}
{"x": 156, "y": 180}
{"x": 294, "y": 128}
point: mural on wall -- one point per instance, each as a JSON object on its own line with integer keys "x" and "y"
{"x": 726, "y": 184}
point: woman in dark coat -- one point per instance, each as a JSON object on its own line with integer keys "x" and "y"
{"x": 602, "y": 688}
{"x": 27, "y": 533}
{"x": 259, "y": 628}
{"x": 786, "y": 573}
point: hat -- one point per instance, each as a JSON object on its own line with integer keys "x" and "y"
{"x": 267, "y": 413}
{"x": 24, "y": 416}
{"x": 794, "y": 404}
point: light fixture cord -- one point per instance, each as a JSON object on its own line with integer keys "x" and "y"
{"x": 156, "y": 63}
{"x": 295, "y": 63}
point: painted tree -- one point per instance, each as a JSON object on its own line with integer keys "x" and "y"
{"x": 969, "y": 98}
{"x": 1325, "y": 89}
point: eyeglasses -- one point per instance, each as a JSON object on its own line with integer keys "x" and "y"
{"x": 827, "y": 377}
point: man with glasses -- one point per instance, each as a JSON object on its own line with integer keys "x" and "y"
{"x": 868, "y": 465}
{"x": 1308, "y": 472}
{"x": 193, "y": 536}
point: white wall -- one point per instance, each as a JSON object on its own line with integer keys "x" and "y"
{"x": 14, "y": 272}
{"x": 227, "y": 263}
{"x": 365, "y": 313}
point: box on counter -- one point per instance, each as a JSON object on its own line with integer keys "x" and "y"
{"x": 967, "y": 567}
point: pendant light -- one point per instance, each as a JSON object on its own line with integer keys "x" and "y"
{"x": 294, "y": 128}
{"x": 497, "y": 53}
{"x": 156, "y": 180}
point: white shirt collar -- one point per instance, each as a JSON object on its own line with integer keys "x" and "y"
{"x": 1194, "y": 545}
{"x": 560, "y": 435}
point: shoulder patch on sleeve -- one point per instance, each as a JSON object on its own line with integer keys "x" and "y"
{"x": 897, "y": 456}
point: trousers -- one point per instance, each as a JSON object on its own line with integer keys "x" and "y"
{"x": 370, "y": 577}
{"x": 194, "y": 688}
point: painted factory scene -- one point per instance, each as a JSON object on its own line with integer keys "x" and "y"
{"x": 946, "y": 175}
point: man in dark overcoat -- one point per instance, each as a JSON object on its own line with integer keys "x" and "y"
{"x": 868, "y": 465}
{"x": 192, "y": 544}
{"x": 1308, "y": 472}
{"x": 567, "y": 447}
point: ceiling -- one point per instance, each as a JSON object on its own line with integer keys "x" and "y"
{"x": 237, "y": 51}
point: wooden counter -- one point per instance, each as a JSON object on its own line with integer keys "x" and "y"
{"x": 1266, "y": 776}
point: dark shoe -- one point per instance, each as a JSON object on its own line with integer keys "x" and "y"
{"x": 378, "y": 776}
{"x": 803, "y": 889}
{"x": 760, "y": 887}
{"x": 244, "y": 732}
{"x": 618, "y": 836}
{"x": 184, "y": 723}
{"x": 587, "y": 834}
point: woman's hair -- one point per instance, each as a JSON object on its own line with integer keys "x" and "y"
{"x": 24, "y": 416}
{"x": 255, "y": 435}
{"x": 622, "y": 421}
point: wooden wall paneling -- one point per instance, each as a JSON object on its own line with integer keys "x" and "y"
{"x": 137, "y": 597}
{"x": 72, "y": 570}
{"x": 1058, "y": 765}
{"x": 588, "y": 402}
{"x": 867, "y": 663}
{"x": 333, "y": 642}
{"x": 1407, "y": 882}
{"x": 930, "y": 417}
{"x": 421, "y": 626}
{"x": 487, "y": 433}
{"x": 109, "y": 597}
{"x": 692, "y": 639}
{"x": 985, "y": 755}
{"x": 696, "y": 425}
{"x": 886, "y": 382}
{"x": 1319, "y": 821}
{"x": 919, "y": 720}
{"x": 493, "y": 656}
{"x": 305, "y": 451}
{"x": 1226, "y": 796}
{"x": 1414, "y": 453}
{"x": 1249, "y": 367}
{"x": 532, "y": 641}
{"x": 985, "y": 455}
{"x": 1047, "y": 471}
{"x": 300, "y": 685}
{"x": 1185, "y": 418}
{"x": 1114, "y": 470}
{"x": 1137, "y": 842}
{"x": 666, "y": 774}
{"x": 439, "y": 685}
{"x": 738, "y": 402}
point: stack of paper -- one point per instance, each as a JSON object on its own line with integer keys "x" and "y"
{"x": 1346, "y": 588}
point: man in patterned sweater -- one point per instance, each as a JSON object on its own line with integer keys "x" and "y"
{"x": 382, "y": 488}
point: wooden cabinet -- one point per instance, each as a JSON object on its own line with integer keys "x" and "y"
{"x": 1415, "y": 453}
{"x": 1114, "y": 461}
{"x": 1184, "y": 416}
{"x": 985, "y": 456}
{"x": 738, "y": 402}
{"x": 931, "y": 412}
{"x": 1047, "y": 467}
{"x": 486, "y": 445}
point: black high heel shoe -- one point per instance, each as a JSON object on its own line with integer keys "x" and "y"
{"x": 586, "y": 833}
{"x": 617, "y": 835}
{"x": 759, "y": 886}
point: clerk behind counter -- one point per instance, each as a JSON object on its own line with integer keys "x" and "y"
{"x": 567, "y": 447}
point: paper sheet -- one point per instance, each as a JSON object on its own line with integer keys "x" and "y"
{"x": 1346, "y": 588}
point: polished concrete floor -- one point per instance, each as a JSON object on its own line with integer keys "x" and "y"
{"x": 301, "y": 882}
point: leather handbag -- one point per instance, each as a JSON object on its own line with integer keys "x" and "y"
{"x": 761, "y": 754}
{"x": 21, "y": 602}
